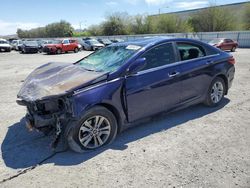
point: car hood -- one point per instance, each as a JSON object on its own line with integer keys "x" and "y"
{"x": 5, "y": 45}
{"x": 54, "y": 79}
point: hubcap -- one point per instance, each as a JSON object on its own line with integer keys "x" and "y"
{"x": 217, "y": 92}
{"x": 94, "y": 132}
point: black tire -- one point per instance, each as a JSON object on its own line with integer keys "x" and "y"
{"x": 233, "y": 49}
{"x": 212, "y": 100}
{"x": 58, "y": 51}
{"x": 76, "y": 131}
{"x": 76, "y": 50}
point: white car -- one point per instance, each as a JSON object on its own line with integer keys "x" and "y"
{"x": 4, "y": 45}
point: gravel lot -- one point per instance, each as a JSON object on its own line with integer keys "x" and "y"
{"x": 195, "y": 147}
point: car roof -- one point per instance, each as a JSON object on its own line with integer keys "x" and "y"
{"x": 145, "y": 42}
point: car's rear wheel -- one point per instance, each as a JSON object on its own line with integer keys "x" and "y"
{"x": 76, "y": 50}
{"x": 216, "y": 92}
{"x": 58, "y": 51}
{"x": 233, "y": 49}
{"x": 96, "y": 128}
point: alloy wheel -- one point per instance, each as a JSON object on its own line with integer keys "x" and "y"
{"x": 94, "y": 132}
{"x": 217, "y": 92}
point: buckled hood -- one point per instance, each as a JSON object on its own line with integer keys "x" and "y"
{"x": 56, "y": 79}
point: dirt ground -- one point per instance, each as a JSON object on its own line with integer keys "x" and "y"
{"x": 195, "y": 147}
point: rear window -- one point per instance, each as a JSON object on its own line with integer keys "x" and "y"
{"x": 189, "y": 51}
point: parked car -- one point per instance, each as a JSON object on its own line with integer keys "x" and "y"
{"x": 117, "y": 40}
{"x": 106, "y": 42}
{"x": 60, "y": 46}
{"x": 224, "y": 44}
{"x": 92, "y": 44}
{"x": 17, "y": 44}
{"x": 81, "y": 42}
{"x": 90, "y": 101}
{"x": 4, "y": 45}
{"x": 42, "y": 43}
{"x": 29, "y": 47}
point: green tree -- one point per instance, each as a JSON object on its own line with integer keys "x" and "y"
{"x": 58, "y": 29}
{"x": 116, "y": 24}
{"x": 247, "y": 17}
{"x": 169, "y": 23}
{"x": 213, "y": 19}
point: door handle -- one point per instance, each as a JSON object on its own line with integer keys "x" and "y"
{"x": 172, "y": 74}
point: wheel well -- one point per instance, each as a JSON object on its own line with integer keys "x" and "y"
{"x": 225, "y": 81}
{"x": 115, "y": 112}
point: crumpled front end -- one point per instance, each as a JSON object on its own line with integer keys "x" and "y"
{"x": 47, "y": 95}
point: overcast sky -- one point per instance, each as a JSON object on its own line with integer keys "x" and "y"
{"x": 27, "y": 14}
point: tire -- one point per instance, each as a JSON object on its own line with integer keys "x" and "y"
{"x": 58, "y": 51}
{"x": 216, "y": 92}
{"x": 233, "y": 49}
{"x": 76, "y": 50}
{"x": 98, "y": 127}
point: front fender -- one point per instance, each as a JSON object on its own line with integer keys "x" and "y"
{"x": 109, "y": 92}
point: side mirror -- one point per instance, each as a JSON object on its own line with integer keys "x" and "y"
{"x": 137, "y": 65}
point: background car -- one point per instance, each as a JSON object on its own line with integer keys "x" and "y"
{"x": 106, "y": 42}
{"x": 5, "y": 46}
{"x": 17, "y": 44}
{"x": 92, "y": 44}
{"x": 61, "y": 46}
{"x": 29, "y": 47}
{"x": 104, "y": 93}
{"x": 224, "y": 44}
{"x": 117, "y": 40}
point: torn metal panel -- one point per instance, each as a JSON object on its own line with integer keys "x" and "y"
{"x": 55, "y": 79}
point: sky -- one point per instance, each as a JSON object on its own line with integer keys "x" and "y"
{"x": 27, "y": 14}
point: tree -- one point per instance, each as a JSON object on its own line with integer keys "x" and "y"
{"x": 213, "y": 19}
{"x": 140, "y": 24}
{"x": 247, "y": 17}
{"x": 169, "y": 23}
{"x": 58, "y": 29}
{"x": 116, "y": 24}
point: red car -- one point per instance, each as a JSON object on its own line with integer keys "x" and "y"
{"x": 224, "y": 44}
{"x": 60, "y": 46}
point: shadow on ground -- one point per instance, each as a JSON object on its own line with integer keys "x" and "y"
{"x": 21, "y": 149}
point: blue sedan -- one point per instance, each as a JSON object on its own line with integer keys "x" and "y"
{"x": 88, "y": 102}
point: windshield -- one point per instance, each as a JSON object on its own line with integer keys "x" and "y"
{"x": 106, "y": 40}
{"x": 31, "y": 43}
{"x": 108, "y": 59}
{"x": 3, "y": 42}
{"x": 215, "y": 41}
{"x": 56, "y": 42}
{"x": 92, "y": 42}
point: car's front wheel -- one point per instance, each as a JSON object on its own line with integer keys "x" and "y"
{"x": 96, "y": 128}
{"x": 216, "y": 92}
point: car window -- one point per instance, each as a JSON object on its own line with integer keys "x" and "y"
{"x": 66, "y": 42}
{"x": 228, "y": 40}
{"x": 190, "y": 51}
{"x": 159, "y": 56}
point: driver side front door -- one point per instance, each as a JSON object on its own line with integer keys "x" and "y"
{"x": 157, "y": 87}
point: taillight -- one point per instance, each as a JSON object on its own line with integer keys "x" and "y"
{"x": 231, "y": 60}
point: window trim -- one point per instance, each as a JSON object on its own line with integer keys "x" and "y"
{"x": 177, "y": 58}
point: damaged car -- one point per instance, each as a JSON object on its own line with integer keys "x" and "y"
{"x": 87, "y": 103}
